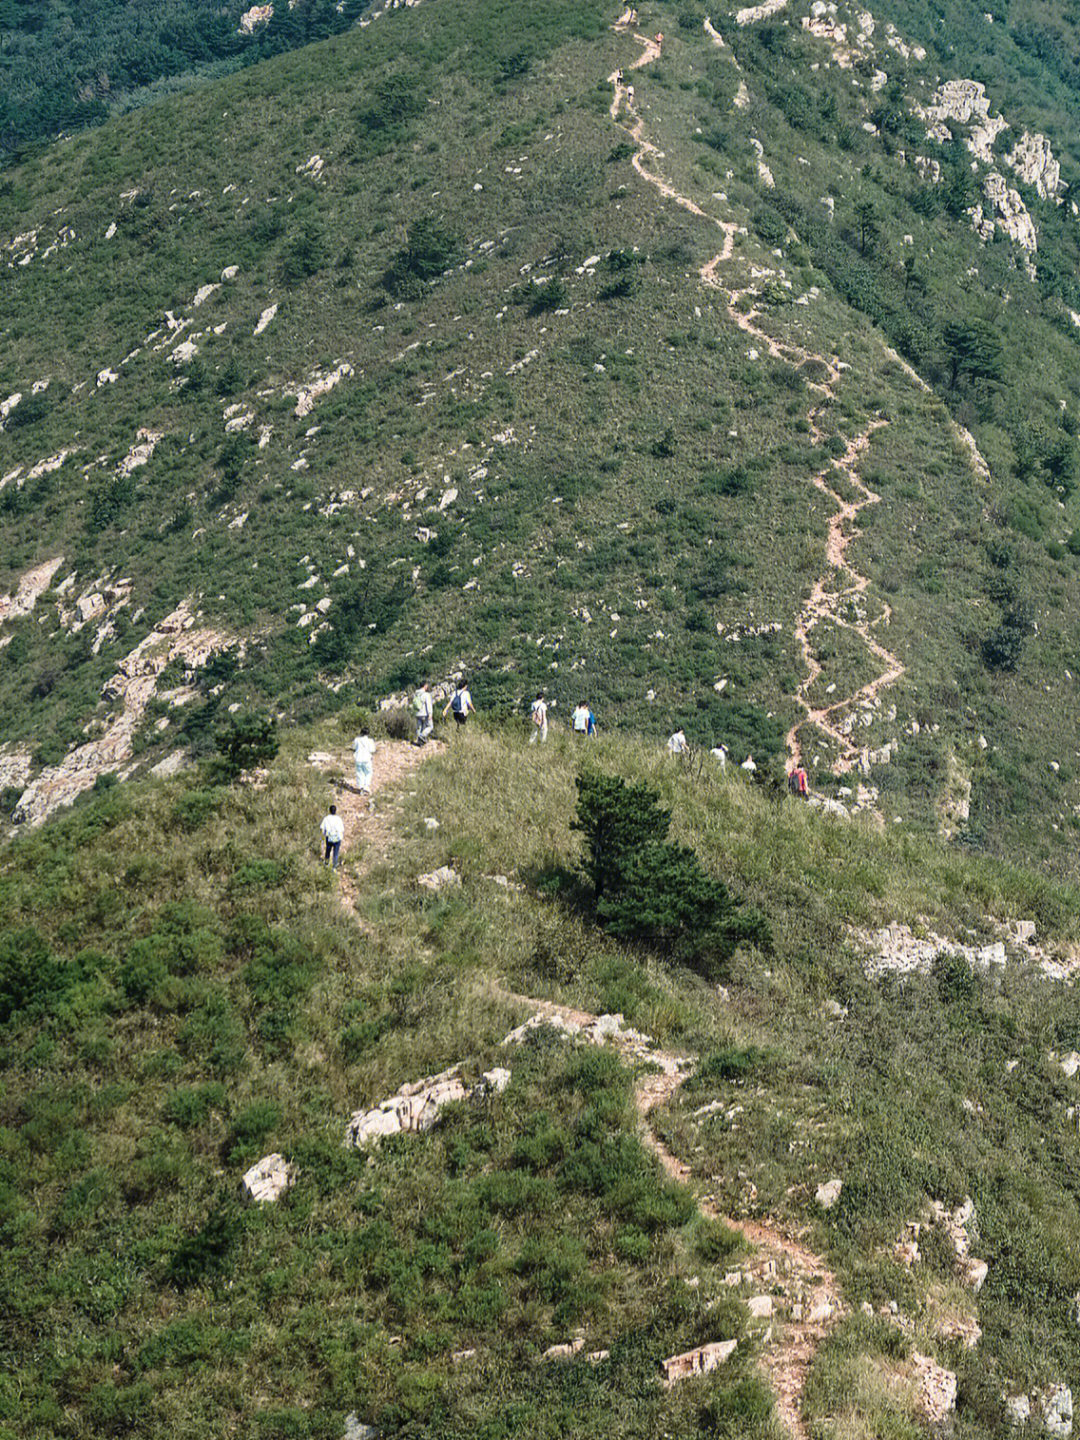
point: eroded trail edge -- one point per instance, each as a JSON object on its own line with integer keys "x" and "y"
{"x": 839, "y": 595}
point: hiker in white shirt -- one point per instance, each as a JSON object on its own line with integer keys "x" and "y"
{"x": 677, "y": 744}
{"x": 580, "y": 719}
{"x": 363, "y": 749}
{"x": 539, "y": 720}
{"x": 460, "y": 704}
{"x": 333, "y": 830}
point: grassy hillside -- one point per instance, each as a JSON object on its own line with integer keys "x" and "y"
{"x": 183, "y": 990}
{"x": 499, "y": 419}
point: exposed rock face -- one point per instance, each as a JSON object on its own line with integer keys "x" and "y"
{"x": 269, "y": 1179}
{"x": 416, "y": 1106}
{"x": 15, "y": 765}
{"x": 253, "y": 18}
{"x": 133, "y": 686}
{"x": 1057, "y": 1408}
{"x": 1034, "y": 163}
{"x": 753, "y": 13}
{"x": 936, "y": 1396}
{"x": 698, "y": 1362}
{"x": 898, "y": 950}
{"x": 1005, "y": 210}
{"x": 964, "y": 102}
{"x": 321, "y": 385}
{"x": 32, "y": 585}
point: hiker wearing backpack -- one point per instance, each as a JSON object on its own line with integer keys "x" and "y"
{"x": 424, "y": 712}
{"x": 460, "y": 703}
{"x": 539, "y": 716}
{"x": 579, "y": 721}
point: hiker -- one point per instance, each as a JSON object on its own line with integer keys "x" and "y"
{"x": 363, "y": 749}
{"x": 659, "y": 41}
{"x": 591, "y": 731}
{"x": 580, "y": 719}
{"x": 802, "y": 784}
{"x": 720, "y": 753}
{"x": 630, "y": 96}
{"x": 460, "y": 703}
{"x": 619, "y": 76}
{"x": 677, "y": 744}
{"x": 424, "y": 711}
{"x": 538, "y": 712}
{"x": 748, "y": 765}
{"x": 333, "y": 830}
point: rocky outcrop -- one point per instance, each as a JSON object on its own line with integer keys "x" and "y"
{"x": 253, "y": 18}
{"x": 701, "y": 1361}
{"x": 1034, "y": 163}
{"x": 415, "y": 1107}
{"x": 320, "y": 385}
{"x": 269, "y": 1179}
{"x": 1005, "y": 210}
{"x": 936, "y": 1393}
{"x": 131, "y": 689}
{"x": 964, "y": 102}
{"x": 753, "y": 13}
{"x": 31, "y": 586}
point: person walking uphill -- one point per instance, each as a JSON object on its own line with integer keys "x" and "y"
{"x": 539, "y": 716}
{"x": 424, "y": 711}
{"x": 363, "y": 749}
{"x": 460, "y": 703}
{"x": 333, "y": 831}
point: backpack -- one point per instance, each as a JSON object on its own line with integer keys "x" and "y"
{"x": 457, "y": 704}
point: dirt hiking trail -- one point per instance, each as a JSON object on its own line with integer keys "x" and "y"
{"x": 370, "y": 828}
{"x": 804, "y": 1292}
{"x": 837, "y": 596}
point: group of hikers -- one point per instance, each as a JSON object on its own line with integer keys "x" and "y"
{"x": 460, "y": 705}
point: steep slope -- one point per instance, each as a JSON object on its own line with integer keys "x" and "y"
{"x": 183, "y": 994}
{"x": 411, "y": 350}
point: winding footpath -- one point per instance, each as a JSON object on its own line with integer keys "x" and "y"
{"x": 836, "y": 596}
{"x": 804, "y": 1292}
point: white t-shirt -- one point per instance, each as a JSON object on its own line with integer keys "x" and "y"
{"x": 363, "y": 748}
{"x": 677, "y": 744}
{"x": 333, "y": 828}
{"x": 539, "y": 712}
{"x": 581, "y": 719}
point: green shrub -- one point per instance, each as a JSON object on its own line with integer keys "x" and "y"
{"x": 247, "y": 741}
{"x": 30, "y": 977}
{"x": 649, "y": 890}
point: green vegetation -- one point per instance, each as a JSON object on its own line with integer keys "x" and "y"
{"x": 154, "y": 1046}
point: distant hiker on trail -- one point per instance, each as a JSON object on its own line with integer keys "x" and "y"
{"x": 424, "y": 711}
{"x": 798, "y": 783}
{"x": 460, "y": 703}
{"x": 363, "y": 749}
{"x": 333, "y": 830}
{"x": 659, "y": 41}
{"x": 579, "y": 721}
{"x": 630, "y": 95}
{"x": 538, "y": 714}
{"x": 677, "y": 744}
{"x": 618, "y": 76}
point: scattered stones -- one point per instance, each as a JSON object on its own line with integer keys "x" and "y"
{"x": 1070, "y": 1063}
{"x": 829, "y": 1193}
{"x": 701, "y": 1361}
{"x": 355, "y": 1429}
{"x": 443, "y": 878}
{"x": 760, "y": 1307}
{"x": 265, "y": 318}
{"x": 415, "y": 1107}
{"x": 269, "y": 1179}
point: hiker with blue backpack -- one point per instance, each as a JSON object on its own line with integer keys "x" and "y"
{"x": 460, "y": 703}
